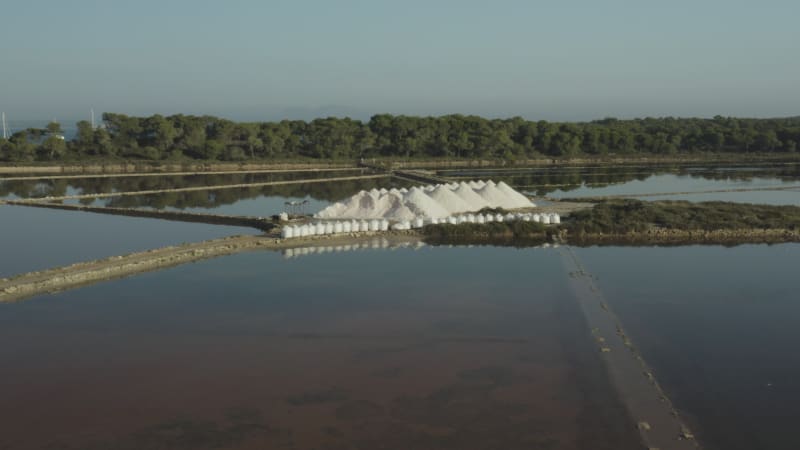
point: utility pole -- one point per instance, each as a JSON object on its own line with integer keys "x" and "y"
{"x": 92, "y": 111}
{"x": 5, "y": 127}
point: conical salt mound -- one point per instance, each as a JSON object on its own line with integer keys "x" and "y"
{"x": 419, "y": 202}
{"x": 361, "y": 208}
{"x": 439, "y": 203}
{"x": 477, "y": 184}
{"x": 519, "y": 200}
{"x": 346, "y": 208}
{"x": 399, "y": 212}
{"x": 468, "y": 194}
{"x": 449, "y": 200}
{"x": 331, "y": 211}
{"x": 495, "y": 197}
{"x": 385, "y": 204}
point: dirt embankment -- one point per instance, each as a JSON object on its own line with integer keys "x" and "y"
{"x": 73, "y": 176}
{"x": 75, "y": 275}
{"x": 90, "y": 167}
{"x": 711, "y": 158}
{"x": 183, "y": 169}
{"x": 657, "y": 420}
{"x": 61, "y": 278}
{"x": 179, "y": 216}
{"x": 67, "y": 277}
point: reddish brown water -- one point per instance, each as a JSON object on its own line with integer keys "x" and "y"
{"x": 434, "y": 349}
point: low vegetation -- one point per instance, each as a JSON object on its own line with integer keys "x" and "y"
{"x": 625, "y": 216}
{"x": 492, "y": 230}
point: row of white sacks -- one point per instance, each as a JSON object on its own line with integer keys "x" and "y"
{"x": 355, "y": 226}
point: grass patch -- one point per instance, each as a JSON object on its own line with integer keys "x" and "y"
{"x": 625, "y": 216}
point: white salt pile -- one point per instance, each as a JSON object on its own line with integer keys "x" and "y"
{"x": 450, "y": 201}
{"x": 494, "y": 196}
{"x": 427, "y": 203}
{"x": 423, "y": 206}
{"x": 469, "y": 195}
{"x": 519, "y": 199}
{"x": 400, "y": 212}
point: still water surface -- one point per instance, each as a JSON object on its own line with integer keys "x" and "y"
{"x": 42, "y": 187}
{"x": 720, "y": 327}
{"x": 255, "y": 201}
{"x": 463, "y": 348}
{"x": 632, "y": 181}
{"x": 34, "y": 239}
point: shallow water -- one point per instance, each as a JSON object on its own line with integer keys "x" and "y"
{"x": 34, "y": 239}
{"x": 685, "y": 185}
{"x": 462, "y": 348}
{"x": 43, "y": 187}
{"x": 632, "y": 181}
{"x": 434, "y": 348}
{"x": 777, "y": 197}
{"x": 719, "y": 326}
{"x": 258, "y": 201}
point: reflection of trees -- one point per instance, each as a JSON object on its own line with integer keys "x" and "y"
{"x": 547, "y": 180}
{"x": 543, "y": 181}
{"x": 58, "y": 187}
{"x": 331, "y": 192}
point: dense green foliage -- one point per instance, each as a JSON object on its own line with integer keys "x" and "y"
{"x": 180, "y": 137}
{"x": 624, "y": 216}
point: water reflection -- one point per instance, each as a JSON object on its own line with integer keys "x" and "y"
{"x": 377, "y": 243}
{"x": 252, "y": 201}
{"x": 628, "y": 180}
{"x": 433, "y": 348}
{"x": 719, "y": 326}
{"x": 35, "y": 239}
{"x": 38, "y": 188}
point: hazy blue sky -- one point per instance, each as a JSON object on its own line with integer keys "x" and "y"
{"x": 567, "y": 60}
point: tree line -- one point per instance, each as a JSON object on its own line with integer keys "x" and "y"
{"x": 206, "y": 138}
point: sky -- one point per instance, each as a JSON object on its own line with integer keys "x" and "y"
{"x": 268, "y": 60}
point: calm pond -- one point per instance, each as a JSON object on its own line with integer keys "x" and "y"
{"x": 253, "y": 201}
{"x": 43, "y": 187}
{"x": 435, "y": 348}
{"x": 720, "y": 327}
{"x": 633, "y": 181}
{"x": 35, "y": 239}
{"x": 432, "y": 348}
